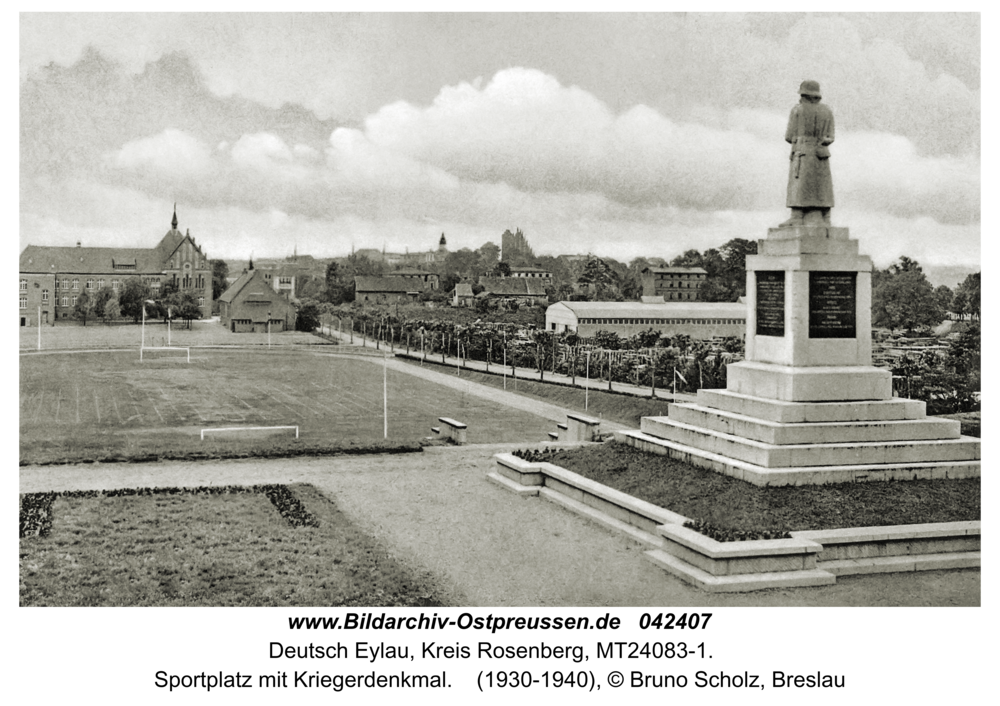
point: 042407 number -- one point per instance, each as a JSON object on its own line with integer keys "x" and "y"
{"x": 671, "y": 621}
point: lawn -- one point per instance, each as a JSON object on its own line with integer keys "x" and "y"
{"x": 732, "y": 504}
{"x": 618, "y": 407}
{"x": 72, "y": 336}
{"x": 109, "y": 404}
{"x": 203, "y": 547}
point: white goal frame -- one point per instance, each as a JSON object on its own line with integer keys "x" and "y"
{"x": 164, "y": 348}
{"x": 295, "y": 427}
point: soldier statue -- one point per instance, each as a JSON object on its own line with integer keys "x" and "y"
{"x": 810, "y": 132}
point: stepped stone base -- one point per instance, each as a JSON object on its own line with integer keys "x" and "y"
{"x": 801, "y": 475}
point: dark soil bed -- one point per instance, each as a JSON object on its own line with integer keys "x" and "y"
{"x": 729, "y": 503}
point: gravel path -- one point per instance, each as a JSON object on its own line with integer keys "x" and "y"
{"x": 436, "y": 510}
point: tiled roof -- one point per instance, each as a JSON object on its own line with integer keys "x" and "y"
{"x": 675, "y": 270}
{"x": 38, "y": 258}
{"x": 663, "y": 310}
{"x": 237, "y": 286}
{"x": 463, "y": 289}
{"x": 398, "y": 285}
{"x": 513, "y": 286}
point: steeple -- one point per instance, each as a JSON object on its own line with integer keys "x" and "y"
{"x": 442, "y": 244}
{"x": 173, "y": 222}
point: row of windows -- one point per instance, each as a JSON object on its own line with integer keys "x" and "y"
{"x": 680, "y": 275}
{"x": 678, "y": 285}
{"x": 708, "y": 322}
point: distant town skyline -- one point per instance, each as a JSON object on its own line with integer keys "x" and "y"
{"x": 621, "y": 135}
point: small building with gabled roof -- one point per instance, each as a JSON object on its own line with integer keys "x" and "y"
{"x": 250, "y": 303}
{"x": 369, "y": 289}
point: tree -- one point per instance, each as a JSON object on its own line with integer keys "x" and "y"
{"x": 84, "y": 307}
{"x": 970, "y": 290}
{"x": 100, "y": 299}
{"x": 943, "y": 295}
{"x": 502, "y": 269}
{"x": 488, "y": 255}
{"x": 307, "y": 315}
{"x": 903, "y": 298}
{"x": 186, "y": 307}
{"x": 131, "y": 298}
{"x": 112, "y": 309}
{"x": 220, "y": 271}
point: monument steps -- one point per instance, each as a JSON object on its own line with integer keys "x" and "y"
{"x": 801, "y": 475}
{"x": 808, "y": 432}
{"x": 791, "y": 412}
{"x": 813, "y": 454}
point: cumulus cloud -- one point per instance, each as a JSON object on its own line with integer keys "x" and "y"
{"x": 172, "y": 153}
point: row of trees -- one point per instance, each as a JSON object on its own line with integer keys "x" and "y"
{"x": 645, "y": 359}
{"x": 109, "y": 305}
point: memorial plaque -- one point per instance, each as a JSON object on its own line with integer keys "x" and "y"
{"x": 770, "y": 303}
{"x": 833, "y": 304}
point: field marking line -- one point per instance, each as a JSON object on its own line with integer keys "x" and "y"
{"x": 97, "y": 407}
{"x": 267, "y": 394}
{"x": 38, "y": 406}
{"x": 118, "y": 414}
{"x": 158, "y": 413}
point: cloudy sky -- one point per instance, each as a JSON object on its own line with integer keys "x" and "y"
{"x": 619, "y": 135}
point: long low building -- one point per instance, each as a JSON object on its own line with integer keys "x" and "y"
{"x": 695, "y": 319}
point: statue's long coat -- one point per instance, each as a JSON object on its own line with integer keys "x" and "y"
{"x": 810, "y": 130}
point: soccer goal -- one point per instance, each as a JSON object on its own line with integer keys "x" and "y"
{"x": 144, "y": 353}
{"x": 242, "y": 429}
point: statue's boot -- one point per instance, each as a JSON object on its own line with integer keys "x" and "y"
{"x": 795, "y": 220}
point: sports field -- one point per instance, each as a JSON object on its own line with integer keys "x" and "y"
{"x": 112, "y": 399}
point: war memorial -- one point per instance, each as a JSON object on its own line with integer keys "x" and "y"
{"x": 805, "y": 407}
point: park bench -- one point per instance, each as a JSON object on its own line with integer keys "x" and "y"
{"x": 451, "y": 429}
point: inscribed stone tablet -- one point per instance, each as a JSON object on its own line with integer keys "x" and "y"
{"x": 832, "y": 304}
{"x": 770, "y": 303}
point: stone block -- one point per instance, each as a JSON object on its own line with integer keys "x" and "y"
{"x": 809, "y": 384}
{"x": 792, "y": 412}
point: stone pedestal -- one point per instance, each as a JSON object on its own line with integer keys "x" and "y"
{"x": 807, "y": 406}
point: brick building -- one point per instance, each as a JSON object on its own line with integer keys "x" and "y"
{"x": 673, "y": 283}
{"x": 52, "y": 278}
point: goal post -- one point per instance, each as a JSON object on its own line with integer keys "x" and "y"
{"x": 187, "y": 352}
{"x": 230, "y": 429}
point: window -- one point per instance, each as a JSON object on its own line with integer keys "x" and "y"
{"x": 72, "y": 300}
{"x": 114, "y": 284}
{"x": 100, "y": 284}
{"x": 45, "y": 295}
{"x": 65, "y": 302}
{"x": 90, "y": 284}
{"x": 65, "y": 284}
{"x": 24, "y": 302}
{"x": 24, "y": 285}
{"x": 76, "y": 284}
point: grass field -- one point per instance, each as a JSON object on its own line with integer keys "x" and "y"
{"x": 71, "y": 335}
{"x": 86, "y": 403}
{"x": 200, "y": 549}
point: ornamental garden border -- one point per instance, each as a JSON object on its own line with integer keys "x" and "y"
{"x": 808, "y": 558}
